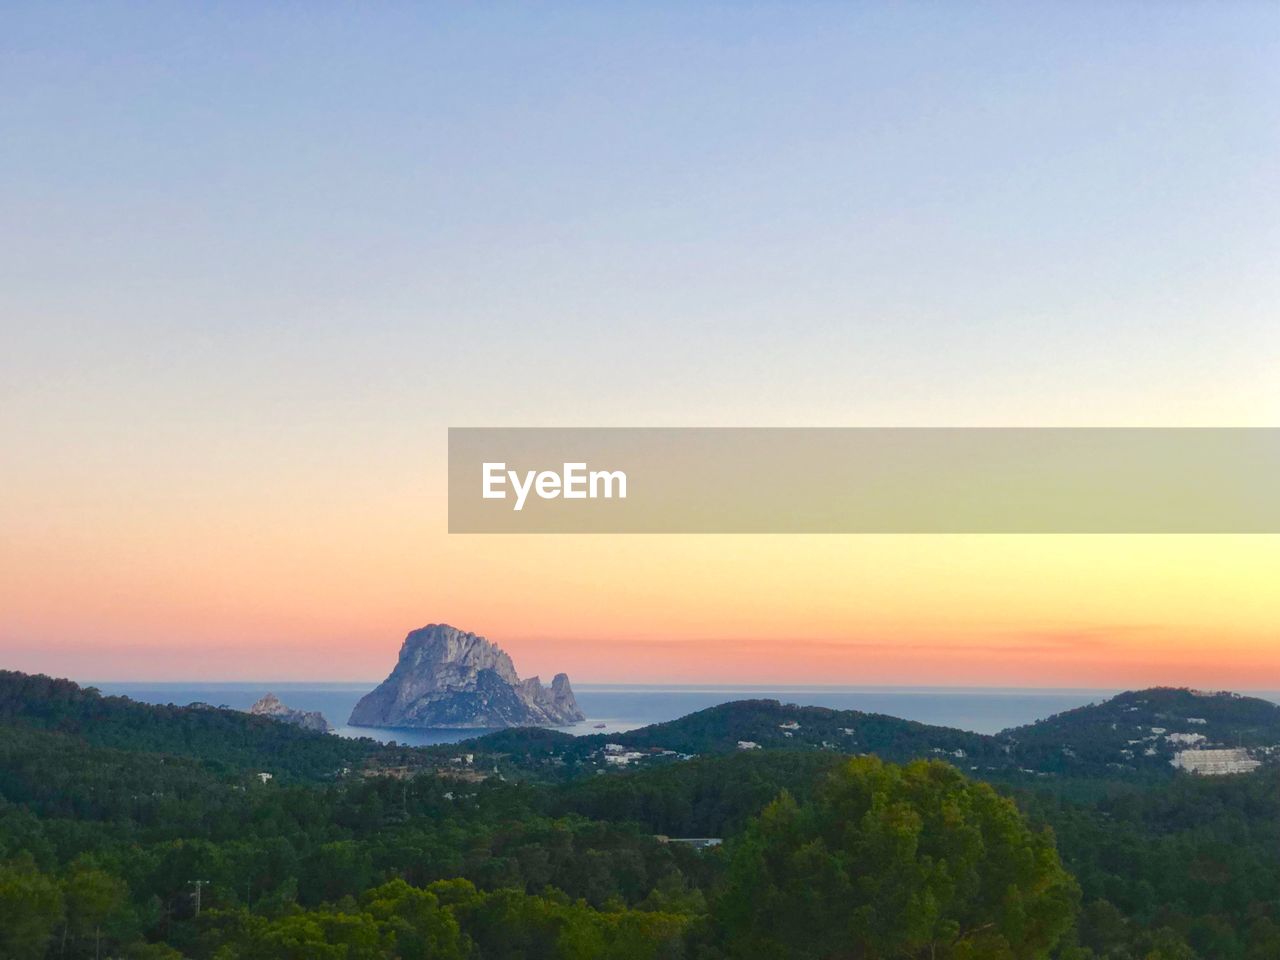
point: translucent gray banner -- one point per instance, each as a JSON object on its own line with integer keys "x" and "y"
{"x": 863, "y": 480}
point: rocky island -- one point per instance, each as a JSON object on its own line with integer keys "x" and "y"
{"x": 446, "y": 677}
{"x": 270, "y": 706}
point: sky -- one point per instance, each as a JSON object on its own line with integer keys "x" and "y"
{"x": 256, "y": 259}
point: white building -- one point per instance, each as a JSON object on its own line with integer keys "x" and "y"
{"x": 698, "y": 843}
{"x": 1215, "y": 763}
{"x": 622, "y": 759}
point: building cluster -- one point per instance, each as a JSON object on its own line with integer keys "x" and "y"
{"x": 616, "y": 755}
{"x": 1213, "y": 763}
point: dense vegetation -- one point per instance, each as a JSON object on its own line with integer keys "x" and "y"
{"x": 1196, "y": 860}
{"x": 1141, "y": 731}
{"x": 221, "y": 739}
{"x": 766, "y": 723}
{"x": 894, "y": 862}
{"x": 136, "y": 831}
{"x": 1129, "y": 737}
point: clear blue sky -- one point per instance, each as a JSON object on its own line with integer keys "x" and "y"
{"x": 682, "y": 210}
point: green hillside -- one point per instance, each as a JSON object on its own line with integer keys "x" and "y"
{"x": 736, "y": 727}
{"x": 226, "y": 739}
{"x": 110, "y": 809}
{"x": 1142, "y": 731}
{"x": 1132, "y": 737}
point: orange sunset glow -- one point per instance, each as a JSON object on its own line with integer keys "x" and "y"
{"x": 322, "y": 597}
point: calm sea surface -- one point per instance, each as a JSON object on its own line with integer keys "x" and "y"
{"x": 614, "y": 708}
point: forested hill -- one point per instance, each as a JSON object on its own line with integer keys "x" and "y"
{"x": 111, "y": 811}
{"x": 1135, "y": 734}
{"x": 742, "y": 725}
{"x": 216, "y": 737}
{"x": 1144, "y": 729}
{"x": 774, "y": 725}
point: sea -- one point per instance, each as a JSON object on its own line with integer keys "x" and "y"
{"x": 616, "y": 708}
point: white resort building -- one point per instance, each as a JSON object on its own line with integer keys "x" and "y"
{"x": 1212, "y": 763}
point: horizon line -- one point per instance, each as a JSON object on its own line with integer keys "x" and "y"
{"x": 691, "y": 686}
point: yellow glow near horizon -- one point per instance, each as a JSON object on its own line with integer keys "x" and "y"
{"x": 313, "y": 589}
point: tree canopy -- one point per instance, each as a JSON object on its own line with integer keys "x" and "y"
{"x": 888, "y": 862}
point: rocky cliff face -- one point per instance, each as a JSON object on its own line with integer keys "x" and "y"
{"x": 448, "y": 678}
{"x": 270, "y": 706}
